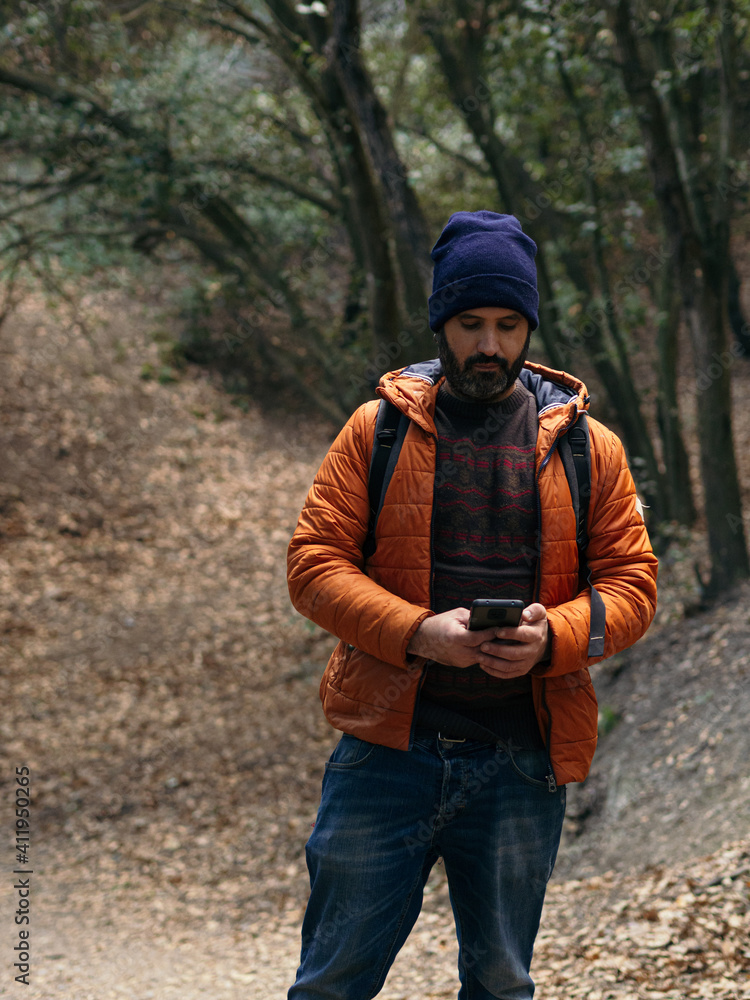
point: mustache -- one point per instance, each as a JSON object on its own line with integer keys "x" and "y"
{"x": 482, "y": 359}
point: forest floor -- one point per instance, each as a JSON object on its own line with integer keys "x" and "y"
{"x": 164, "y": 695}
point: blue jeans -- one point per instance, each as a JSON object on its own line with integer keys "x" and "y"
{"x": 385, "y": 817}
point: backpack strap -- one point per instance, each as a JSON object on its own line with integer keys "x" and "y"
{"x": 575, "y": 452}
{"x": 390, "y": 430}
{"x": 576, "y": 443}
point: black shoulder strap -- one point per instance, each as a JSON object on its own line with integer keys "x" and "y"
{"x": 575, "y": 452}
{"x": 579, "y": 442}
{"x": 390, "y": 431}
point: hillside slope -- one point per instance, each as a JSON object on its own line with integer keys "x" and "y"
{"x": 164, "y": 694}
{"x": 671, "y": 779}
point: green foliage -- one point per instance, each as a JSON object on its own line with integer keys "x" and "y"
{"x": 608, "y": 719}
{"x": 163, "y": 374}
{"x": 196, "y": 139}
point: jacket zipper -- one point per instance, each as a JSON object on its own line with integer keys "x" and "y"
{"x": 432, "y": 591}
{"x": 551, "y": 779}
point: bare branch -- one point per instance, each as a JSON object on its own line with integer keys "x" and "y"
{"x": 79, "y": 180}
{"x": 66, "y": 96}
{"x": 478, "y": 168}
{"x": 40, "y": 236}
{"x": 214, "y": 22}
{"x": 136, "y": 12}
{"x": 331, "y": 205}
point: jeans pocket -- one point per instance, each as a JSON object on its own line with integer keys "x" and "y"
{"x": 350, "y": 752}
{"x": 533, "y": 767}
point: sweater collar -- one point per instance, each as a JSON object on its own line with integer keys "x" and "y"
{"x": 476, "y": 410}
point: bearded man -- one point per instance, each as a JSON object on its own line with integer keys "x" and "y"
{"x": 459, "y": 743}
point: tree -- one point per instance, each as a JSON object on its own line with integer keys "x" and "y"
{"x": 460, "y": 34}
{"x": 294, "y": 160}
{"x": 380, "y": 210}
{"x": 695, "y": 199}
{"x": 216, "y": 197}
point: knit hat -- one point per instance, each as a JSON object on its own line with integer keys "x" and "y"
{"x": 483, "y": 259}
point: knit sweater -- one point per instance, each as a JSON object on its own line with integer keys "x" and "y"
{"x": 484, "y": 531}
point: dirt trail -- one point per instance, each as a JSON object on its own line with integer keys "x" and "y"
{"x": 164, "y": 694}
{"x": 672, "y": 933}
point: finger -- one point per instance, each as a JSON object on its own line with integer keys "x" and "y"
{"x": 534, "y": 613}
{"x": 504, "y": 651}
{"x": 504, "y": 670}
{"x": 463, "y": 615}
{"x": 479, "y": 636}
{"x": 508, "y": 635}
{"x": 527, "y": 631}
{"x": 511, "y": 636}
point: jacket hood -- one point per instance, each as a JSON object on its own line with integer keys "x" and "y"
{"x": 413, "y": 390}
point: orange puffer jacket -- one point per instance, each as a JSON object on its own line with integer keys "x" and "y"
{"x": 371, "y": 685}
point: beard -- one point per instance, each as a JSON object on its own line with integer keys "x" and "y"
{"x": 467, "y": 382}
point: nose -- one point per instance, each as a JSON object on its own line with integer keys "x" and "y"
{"x": 489, "y": 342}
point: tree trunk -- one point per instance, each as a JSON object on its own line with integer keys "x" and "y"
{"x": 461, "y": 54}
{"x": 740, "y": 326}
{"x": 406, "y": 227}
{"x": 341, "y": 94}
{"x": 700, "y": 239}
{"x": 682, "y": 506}
{"x": 705, "y": 307}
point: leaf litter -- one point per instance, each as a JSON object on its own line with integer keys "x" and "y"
{"x": 164, "y": 693}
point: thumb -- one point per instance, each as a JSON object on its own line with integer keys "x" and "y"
{"x": 534, "y": 613}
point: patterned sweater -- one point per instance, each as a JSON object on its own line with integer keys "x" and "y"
{"x": 484, "y": 536}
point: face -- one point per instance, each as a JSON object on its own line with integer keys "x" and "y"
{"x": 482, "y": 351}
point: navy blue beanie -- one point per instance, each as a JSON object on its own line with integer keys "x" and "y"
{"x": 483, "y": 259}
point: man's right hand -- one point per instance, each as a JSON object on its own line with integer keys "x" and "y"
{"x": 446, "y": 639}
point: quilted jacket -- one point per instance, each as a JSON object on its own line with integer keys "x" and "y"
{"x": 371, "y": 685}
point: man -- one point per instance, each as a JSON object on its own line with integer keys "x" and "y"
{"x": 479, "y": 506}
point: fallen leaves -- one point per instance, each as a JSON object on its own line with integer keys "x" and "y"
{"x": 165, "y": 694}
{"x": 678, "y": 932}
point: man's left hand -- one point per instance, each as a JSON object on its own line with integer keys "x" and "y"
{"x": 530, "y": 645}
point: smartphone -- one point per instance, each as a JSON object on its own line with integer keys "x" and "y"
{"x": 495, "y": 614}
